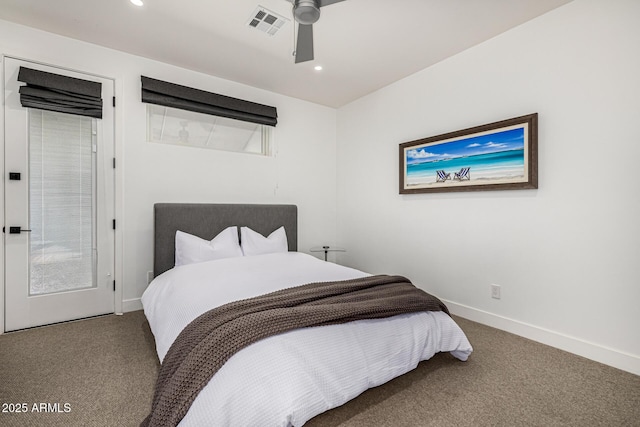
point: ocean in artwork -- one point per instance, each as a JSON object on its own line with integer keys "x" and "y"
{"x": 505, "y": 164}
{"x": 497, "y": 157}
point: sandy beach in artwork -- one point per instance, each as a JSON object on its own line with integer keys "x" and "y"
{"x": 480, "y": 176}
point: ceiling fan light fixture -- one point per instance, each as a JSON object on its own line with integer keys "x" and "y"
{"x": 137, "y": 2}
{"x": 306, "y": 12}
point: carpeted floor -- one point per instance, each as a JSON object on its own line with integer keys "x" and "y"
{"x": 101, "y": 372}
{"x": 104, "y": 368}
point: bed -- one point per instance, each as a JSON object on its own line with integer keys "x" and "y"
{"x": 288, "y": 378}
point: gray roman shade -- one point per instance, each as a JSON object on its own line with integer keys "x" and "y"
{"x": 54, "y": 92}
{"x": 186, "y": 98}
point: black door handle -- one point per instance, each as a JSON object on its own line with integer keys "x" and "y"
{"x": 15, "y": 230}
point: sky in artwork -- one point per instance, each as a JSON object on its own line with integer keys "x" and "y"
{"x": 512, "y": 139}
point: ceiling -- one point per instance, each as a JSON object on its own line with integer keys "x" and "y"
{"x": 362, "y": 45}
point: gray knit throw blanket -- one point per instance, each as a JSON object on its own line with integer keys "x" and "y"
{"x": 211, "y": 339}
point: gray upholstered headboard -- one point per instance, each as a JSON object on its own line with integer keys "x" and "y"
{"x": 207, "y": 220}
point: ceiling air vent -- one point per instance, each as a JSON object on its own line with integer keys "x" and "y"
{"x": 266, "y": 21}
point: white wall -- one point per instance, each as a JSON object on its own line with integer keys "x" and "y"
{"x": 302, "y": 173}
{"x": 566, "y": 255}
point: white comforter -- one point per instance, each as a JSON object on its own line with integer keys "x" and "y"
{"x": 287, "y": 379}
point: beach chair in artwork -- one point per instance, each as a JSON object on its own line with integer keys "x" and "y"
{"x": 463, "y": 174}
{"x": 442, "y": 176}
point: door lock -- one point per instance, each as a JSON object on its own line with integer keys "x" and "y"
{"x": 14, "y": 176}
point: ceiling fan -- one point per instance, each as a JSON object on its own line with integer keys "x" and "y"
{"x": 305, "y": 13}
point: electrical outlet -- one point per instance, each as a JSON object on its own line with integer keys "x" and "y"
{"x": 149, "y": 276}
{"x": 495, "y": 291}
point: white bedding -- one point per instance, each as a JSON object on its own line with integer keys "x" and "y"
{"x": 287, "y": 379}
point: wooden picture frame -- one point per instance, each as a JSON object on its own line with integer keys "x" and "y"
{"x": 496, "y": 156}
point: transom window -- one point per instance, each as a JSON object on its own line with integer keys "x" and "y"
{"x": 187, "y": 128}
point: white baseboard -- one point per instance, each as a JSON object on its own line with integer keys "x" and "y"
{"x": 131, "y": 305}
{"x": 608, "y": 356}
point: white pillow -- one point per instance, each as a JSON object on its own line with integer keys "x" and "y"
{"x": 254, "y": 243}
{"x": 191, "y": 249}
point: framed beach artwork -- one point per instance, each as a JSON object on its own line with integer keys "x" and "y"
{"x": 496, "y": 156}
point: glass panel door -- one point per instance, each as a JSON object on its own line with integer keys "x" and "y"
{"x": 59, "y": 208}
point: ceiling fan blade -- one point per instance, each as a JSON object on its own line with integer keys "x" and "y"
{"x": 322, "y": 3}
{"x": 304, "y": 45}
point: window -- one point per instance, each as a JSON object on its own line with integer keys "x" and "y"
{"x": 180, "y": 127}
{"x": 62, "y": 201}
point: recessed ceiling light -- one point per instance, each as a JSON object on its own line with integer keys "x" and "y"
{"x": 137, "y": 2}
{"x": 318, "y": 68}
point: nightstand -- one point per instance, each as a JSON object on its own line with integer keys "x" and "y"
{"x": 327, "y": 249}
